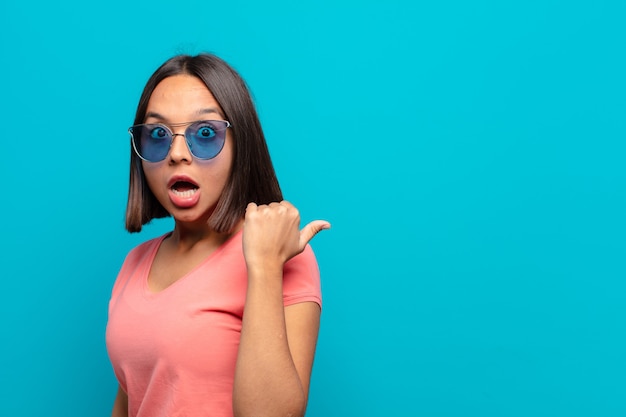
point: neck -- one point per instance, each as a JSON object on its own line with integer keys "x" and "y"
{"x": 185, "y": 237}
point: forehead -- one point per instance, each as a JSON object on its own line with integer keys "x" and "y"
{"x": 181, "y": 98}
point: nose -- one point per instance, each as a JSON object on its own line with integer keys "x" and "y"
{"x": 179, "y": 151}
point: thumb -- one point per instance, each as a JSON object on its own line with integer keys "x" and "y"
{"x": 310, "y": 230}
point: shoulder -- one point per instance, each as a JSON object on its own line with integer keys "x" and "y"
{"x": 303, "y": 264}
{"x": 143, "y": 249}
{"x": 301, "y": 278}
{"x": 136, "y": 257}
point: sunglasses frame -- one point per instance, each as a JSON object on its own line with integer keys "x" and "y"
{"x": 173, "y": 135}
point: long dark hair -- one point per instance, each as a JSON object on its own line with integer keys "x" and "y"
{"x": 252, "y": 177}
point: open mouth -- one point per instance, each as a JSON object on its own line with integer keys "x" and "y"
{"x": 184, "y": 188}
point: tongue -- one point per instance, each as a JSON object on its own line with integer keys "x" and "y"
{"x": 184, "y": 186}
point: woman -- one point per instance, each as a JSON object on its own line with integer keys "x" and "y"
{"x": 220, "y": 316}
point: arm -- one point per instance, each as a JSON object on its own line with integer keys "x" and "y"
{"x": 277, "y": 344}
{"x": 120, "y": 406}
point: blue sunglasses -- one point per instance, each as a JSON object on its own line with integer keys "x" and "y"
{"x": 205, "y": 139}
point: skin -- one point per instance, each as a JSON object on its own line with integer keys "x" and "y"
{"x": 277, "y": 343}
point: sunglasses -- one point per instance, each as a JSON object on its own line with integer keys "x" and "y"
{"x": 205, "y": 139}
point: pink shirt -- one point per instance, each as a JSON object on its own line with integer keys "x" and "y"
{"x": 174, "y": 351}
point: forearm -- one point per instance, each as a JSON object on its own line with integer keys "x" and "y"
{"x": 266, "y": 378}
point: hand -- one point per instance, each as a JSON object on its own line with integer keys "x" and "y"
{"x": 272, "y": 235}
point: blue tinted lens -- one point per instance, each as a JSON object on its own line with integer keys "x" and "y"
{"x": 206, "y": 139}
{"x": 152, "y": 142}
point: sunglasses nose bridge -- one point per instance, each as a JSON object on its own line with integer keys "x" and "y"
{"x": 181, "y": 150}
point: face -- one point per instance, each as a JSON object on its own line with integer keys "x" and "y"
{"x": 187, "y": 187}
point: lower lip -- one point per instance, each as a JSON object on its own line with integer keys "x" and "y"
{"x": 184, "y": 201}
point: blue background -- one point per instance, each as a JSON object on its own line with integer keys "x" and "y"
{"x": 470, "y": 156}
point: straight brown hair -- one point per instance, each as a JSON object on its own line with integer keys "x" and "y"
{"x": 252, "y": 177}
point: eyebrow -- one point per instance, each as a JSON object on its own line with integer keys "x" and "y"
{"x": 201, "y": 112}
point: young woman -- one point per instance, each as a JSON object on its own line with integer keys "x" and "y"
{"x": 220, "y": 316}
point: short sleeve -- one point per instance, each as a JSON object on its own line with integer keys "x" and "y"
{"x": 301, "y": 279}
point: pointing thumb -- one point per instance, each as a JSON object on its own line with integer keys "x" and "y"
{"x": 310, "y": 230}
